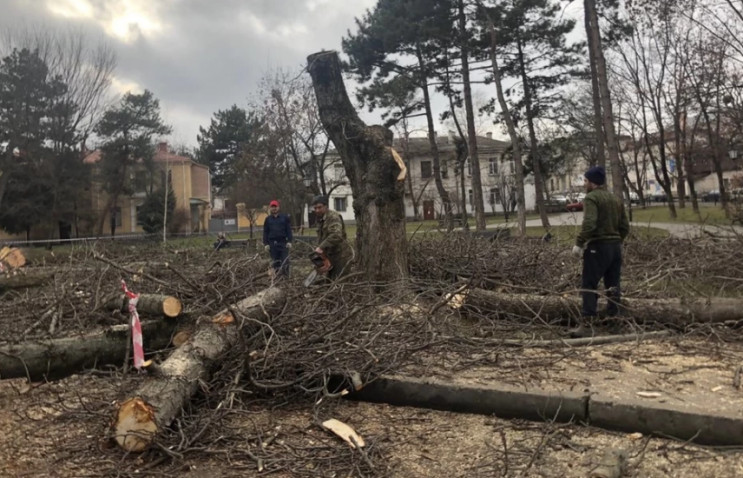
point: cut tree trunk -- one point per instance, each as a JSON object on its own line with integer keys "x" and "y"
{"x": 23, "y": 278}
{"x": 56, "y": 358}
{"x": 381, "y": 241}
{"x": 160, "y": 399}
{"x": 156, "y": 304}
{"x": 555, "y": 307}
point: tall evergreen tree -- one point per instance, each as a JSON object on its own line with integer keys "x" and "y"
{"x": 397, "y": 46}
{"x": 532, "y": 40}
{"x": 29, "y": 103}
{"x": 222, "y": 143}
{"x": 128, "y": 131}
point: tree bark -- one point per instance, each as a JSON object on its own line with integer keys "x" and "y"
{"x": 596, "y": 95}
{"x": 159, "y": 400}
{"x": 443, "y": 193}
{"x": 536, "y": 160}
{"x": 381, "y": 241}
{"x": 155, "y": 304}
{"x": 57, "y": 358}
{"x": 471, "y": 132}
{"x": 554, "y": 307}
{"x": 612, "y": 145}
{"x": 25, "y": 278}
{"x": 515, "y": 143}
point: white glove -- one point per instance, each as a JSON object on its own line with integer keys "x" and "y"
{"x": 288, "y": 245}
{"x": 577, "y": 251}
{"x": 267, "y": 248}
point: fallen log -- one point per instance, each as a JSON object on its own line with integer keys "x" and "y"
{"x": 50, "y": 359}
{"x": 558, "y": 307}
{"x": 23, "y": 278}
{"x": 160, "y": 399}
{"x": 156, "y": 304}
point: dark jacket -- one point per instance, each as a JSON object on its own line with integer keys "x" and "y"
{"x": 604, "y": 219}
{"x": 277, "y": 229}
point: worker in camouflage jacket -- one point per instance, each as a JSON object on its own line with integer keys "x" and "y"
{"x": 331, "y": 235}
{"x": 605, "y": 226}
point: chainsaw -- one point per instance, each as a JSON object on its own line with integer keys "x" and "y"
{"x": 320, "y": 261}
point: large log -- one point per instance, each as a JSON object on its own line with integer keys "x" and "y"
{"x": 22, "y": 278}
{"x": 557, "y": 307}
{"x": 57, "y": 358}
{"x": 161, "y": 398}
{"x": 156, "y": 304}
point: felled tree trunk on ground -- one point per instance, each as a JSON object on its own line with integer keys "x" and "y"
{"x": 24, "y": 278}
{"x": 557, "y": 307}
{"x": 381, "y": 242}
{"x": 156, "y": 304}
{"x": 57, "y": 358}
{"x": 160, "y": 399}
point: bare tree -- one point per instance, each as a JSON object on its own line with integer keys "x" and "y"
{"x": 85, "y": 65}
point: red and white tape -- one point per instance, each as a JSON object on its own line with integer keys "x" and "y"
{"x": 136, "y": 326}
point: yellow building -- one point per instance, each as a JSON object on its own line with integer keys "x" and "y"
{"x": 191, "y": 183}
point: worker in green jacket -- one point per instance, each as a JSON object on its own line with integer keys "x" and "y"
{"x": 331, "y": 234}
{"x": 599, "y": 242}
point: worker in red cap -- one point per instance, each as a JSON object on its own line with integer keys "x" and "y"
{"x": 277, "y": 238}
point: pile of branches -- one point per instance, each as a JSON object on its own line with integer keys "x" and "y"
{"x": 78, "y": 284}
{"x": 333, "y": 338}
{"x": 657, "y": 268}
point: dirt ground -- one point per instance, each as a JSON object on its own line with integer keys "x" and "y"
{"x": 58, "y": 429}
{"x": 62, "y": 428}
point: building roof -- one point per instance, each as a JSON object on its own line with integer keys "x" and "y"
{"x": 162, "y": 155}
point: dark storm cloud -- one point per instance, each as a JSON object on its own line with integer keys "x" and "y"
{"x": 199, "y": 56}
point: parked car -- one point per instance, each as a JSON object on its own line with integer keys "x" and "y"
{"x": 711, "y": 196}
{"x": 634, "y": 198}
{"x": 660, "y": 196}
{"x": 736, "y": 195}
{"x": 575, "y": 206}
{"x": 558, "y": 198}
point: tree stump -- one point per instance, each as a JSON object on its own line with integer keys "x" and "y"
{"x": 365, "y": 151}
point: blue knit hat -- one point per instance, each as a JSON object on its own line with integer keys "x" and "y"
{"x": 597, "y": 175}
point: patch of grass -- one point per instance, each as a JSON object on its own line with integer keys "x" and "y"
{"x": 708, "y": 214}
{"x": 565, "y": 235}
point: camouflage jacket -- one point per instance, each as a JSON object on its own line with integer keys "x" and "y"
{"x": 331, "y": 234}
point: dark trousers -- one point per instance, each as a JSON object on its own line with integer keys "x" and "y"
{"x": 279, "y": 258}
{"x": 602, "y": 260}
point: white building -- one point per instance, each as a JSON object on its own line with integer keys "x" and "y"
{"x": 496, "y": 174}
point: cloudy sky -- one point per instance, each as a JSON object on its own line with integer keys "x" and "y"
{"x": 196, "y": 56}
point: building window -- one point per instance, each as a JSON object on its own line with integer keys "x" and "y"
{"x": 493, "y": 167}
{"x": 425, "y": 169}
{"x": 471, "y": 198}
{"x": 512, "y": 167}
{"x": 494, "y": 195}
{"x": 444, "y": 169}
{"x": 340, "y": 204}
{"x": 469, "y": 168}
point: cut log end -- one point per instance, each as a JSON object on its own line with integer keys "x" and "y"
{"x": 172, "y": 307}
{"x": 135, "y": 425}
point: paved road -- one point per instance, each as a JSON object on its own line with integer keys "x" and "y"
{"x": 682, "y": 230}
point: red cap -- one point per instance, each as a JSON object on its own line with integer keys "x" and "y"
{"x": 273, "y": 203}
